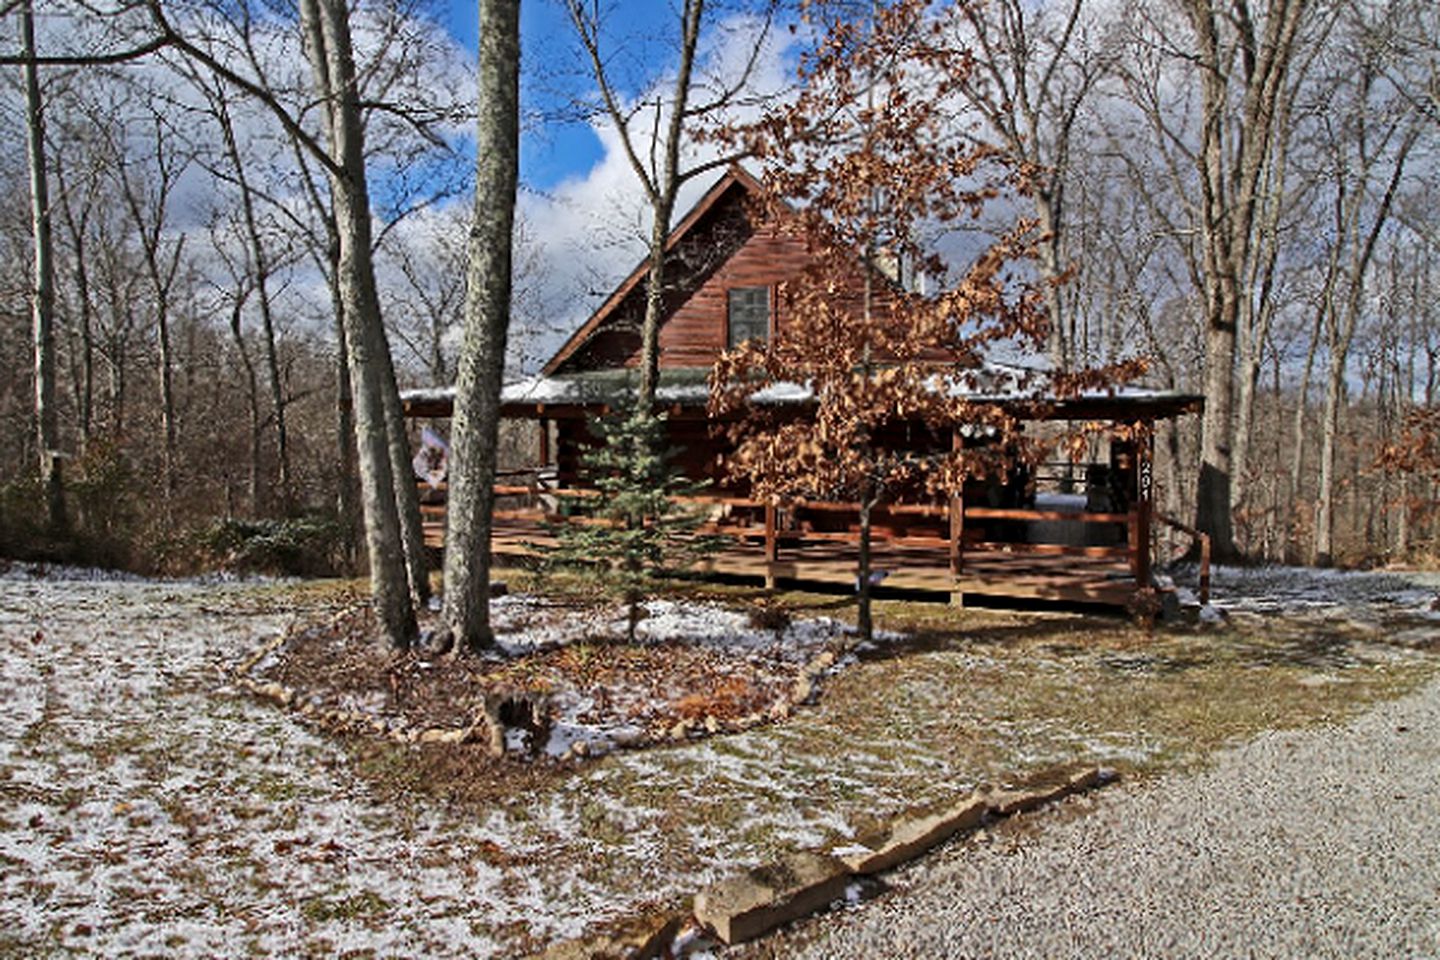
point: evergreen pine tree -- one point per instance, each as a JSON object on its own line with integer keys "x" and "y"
{"x": 631, "y": 532}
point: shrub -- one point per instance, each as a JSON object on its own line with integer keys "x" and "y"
{"x": 307, "y": 545}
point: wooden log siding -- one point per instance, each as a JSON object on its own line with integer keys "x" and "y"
{"x": 696, "y": 334}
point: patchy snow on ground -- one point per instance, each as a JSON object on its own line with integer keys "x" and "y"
{"x": 1312, "y": 591}
{"x": 524, "y": 623}
{"x": 149, "y": 807}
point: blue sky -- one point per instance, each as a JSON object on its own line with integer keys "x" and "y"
{"x": 553, "y": 152}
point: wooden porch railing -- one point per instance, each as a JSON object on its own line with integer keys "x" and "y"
{"x": 777, "y": 529}
{"x": 1203, "y": 539}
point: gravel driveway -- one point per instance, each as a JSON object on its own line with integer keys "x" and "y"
{"x": 1322, "y": 843}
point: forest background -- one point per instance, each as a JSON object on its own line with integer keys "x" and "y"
{"x": 1255, "y": 173}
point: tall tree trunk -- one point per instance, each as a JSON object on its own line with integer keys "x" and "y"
{"x": 47, "y": 432}
{"x": 1297, "y": 462}
{"x": 167, "y": 398}
{"x": 1343, "y": 330}
{"x": 1259, "y": 307}
{"x": 481, "y": 365}
{"x": 85, "y": 381}
{"x": 328, "y": 45}
{"x": 661, "y": 213}
{"x": 407, "y": 496}
{"x": 1231, "y": 168}
{"x": 1062, "y": 346}
{"x": 662, "y": 185}
{"x": 252, "y": 395}
{"x": 273, "y": 378}
{"x": 161, "y": 269}
{"x": 347, "y": 494}
{"x": 1329, "y": 433}
{"x": 260, "y": 259}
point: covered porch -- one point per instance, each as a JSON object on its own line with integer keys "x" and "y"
{"x": 1069, "y": 532}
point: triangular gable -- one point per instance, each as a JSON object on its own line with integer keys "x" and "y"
{"x": 735, "y": 178}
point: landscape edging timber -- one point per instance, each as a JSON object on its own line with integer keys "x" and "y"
{"x": 800, "y": 884}
{"x": 907, "y": 837}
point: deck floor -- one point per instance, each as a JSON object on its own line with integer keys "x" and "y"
{"x": 923, "y": 567}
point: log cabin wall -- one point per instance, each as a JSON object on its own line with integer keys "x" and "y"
{"x": 695, "y": 334}
{"x": 694, "y": 449}
{"x": 723, "y": 252}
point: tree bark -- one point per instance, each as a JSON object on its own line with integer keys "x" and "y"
{"x": 407, "y": 496}
{"x": 1231, "y": 169}
{"x": 328, "y": 45}
{"x": 252, "y": 395}
{"x": 1297, "y": 462}
{"x": 347, "y": 494}
{"x": 85, "y": 380}
{"x": 481, "y": 365}
{"x": 42, "y": 301}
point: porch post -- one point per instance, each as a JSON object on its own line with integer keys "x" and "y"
{"x": 957, "y": 546}
{"x": 772, "y": 546}
{"x": 957, "y": 528}
{"x": 1140, "y": 513}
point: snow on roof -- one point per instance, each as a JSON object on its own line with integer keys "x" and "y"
{"x": 991, "y": 381}
{"x": 428, "y": 395}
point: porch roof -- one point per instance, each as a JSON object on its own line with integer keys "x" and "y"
{"x": 688, "y": 390}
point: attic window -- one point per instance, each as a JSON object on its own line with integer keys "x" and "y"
{"x": 749, "y": 316}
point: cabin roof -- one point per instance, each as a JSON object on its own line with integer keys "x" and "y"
{"x": 556, "y": 389}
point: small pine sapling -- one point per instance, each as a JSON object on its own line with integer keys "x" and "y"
{"x": 633, "y": 529}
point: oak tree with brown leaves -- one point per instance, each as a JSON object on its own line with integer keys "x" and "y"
{"x": 869, "y": 172}
{"x": 1415, "y": 455}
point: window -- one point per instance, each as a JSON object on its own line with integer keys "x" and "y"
{"x": 749, "y": 316}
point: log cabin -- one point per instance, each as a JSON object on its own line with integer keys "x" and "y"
{"x": 1075, "y": 533}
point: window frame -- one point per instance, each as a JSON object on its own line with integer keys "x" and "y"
{"x": 731, "y": 342}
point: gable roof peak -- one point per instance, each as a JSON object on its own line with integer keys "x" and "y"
{"x": 734, "y": 177}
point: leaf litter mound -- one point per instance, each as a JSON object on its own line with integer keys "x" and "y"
{"x": 695, "y": 669}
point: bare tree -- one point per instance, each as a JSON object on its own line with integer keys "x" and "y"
{"x": 146, "y": 196}
{"x": 1242, "y": 53}
{"x": 1036, "y": 69}
{"x": 43, "y": 295}
{"x": 487, "y": 318}
{"x": 429, "y": 301}
{"x": 78, "y": 205}
{"x": 1370, "y": 135}
{"x": 327, "y": 41}
{"x": 653, "y": 132}
{"x": 327, "y": 34}
{"x": 258, "y": 276}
